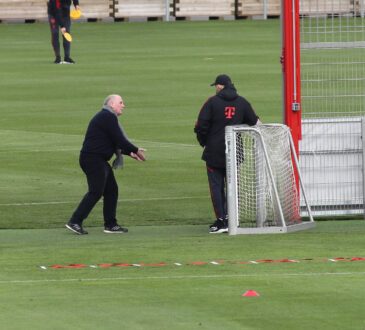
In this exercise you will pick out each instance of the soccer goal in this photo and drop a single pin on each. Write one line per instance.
(263, 180)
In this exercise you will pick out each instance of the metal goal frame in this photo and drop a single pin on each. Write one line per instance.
(232, 184)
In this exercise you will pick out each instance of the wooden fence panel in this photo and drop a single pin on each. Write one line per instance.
(96, 9)
(248, 8)
(139, 8)
(23, 10)
(216, 8)
(100, 9)
(37, 9)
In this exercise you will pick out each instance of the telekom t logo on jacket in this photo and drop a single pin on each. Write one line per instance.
(229, 112)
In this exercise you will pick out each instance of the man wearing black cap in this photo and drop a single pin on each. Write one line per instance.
(224, 109)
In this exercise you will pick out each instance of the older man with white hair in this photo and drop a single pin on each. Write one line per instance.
(104, 137)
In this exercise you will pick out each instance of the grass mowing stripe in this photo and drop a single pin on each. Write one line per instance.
(77, 149)
(53, 150)
(119, 200)
(181, 277)
(168, 144)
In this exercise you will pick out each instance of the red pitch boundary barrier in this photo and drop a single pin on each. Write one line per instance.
(199, 263)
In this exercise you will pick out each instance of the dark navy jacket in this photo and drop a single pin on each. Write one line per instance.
(104, 136)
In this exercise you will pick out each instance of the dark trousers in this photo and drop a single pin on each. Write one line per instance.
(102, 183)
(217, 185)
(55, 36)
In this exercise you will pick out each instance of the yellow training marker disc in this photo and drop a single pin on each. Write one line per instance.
(75, 13)
(67, 36)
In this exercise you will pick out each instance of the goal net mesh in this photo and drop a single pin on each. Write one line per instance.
(266, 184)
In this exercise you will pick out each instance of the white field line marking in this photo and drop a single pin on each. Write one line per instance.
(120, 200)
(182, 277)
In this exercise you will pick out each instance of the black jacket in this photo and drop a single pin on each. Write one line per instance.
(104, 136)
(225, 108)
(60, 9)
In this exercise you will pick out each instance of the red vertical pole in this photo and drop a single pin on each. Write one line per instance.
(291, 76)
(291, 68)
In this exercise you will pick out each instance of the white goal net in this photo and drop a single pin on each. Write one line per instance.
(262, 184)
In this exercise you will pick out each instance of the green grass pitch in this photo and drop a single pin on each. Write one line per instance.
(176, 276)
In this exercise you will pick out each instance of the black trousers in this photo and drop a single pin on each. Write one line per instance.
(101, 183)
(55, 36)
(217, 185)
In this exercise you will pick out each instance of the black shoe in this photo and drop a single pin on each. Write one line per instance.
(68, 60)
(219, 221)
(57, 60)
(218, 227)
(76, 228)
(115, 230)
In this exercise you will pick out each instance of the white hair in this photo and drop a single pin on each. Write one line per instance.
(110, 98)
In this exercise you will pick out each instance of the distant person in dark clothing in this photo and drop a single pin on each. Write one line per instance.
(59, 19)
(104, 137)
(223, 109)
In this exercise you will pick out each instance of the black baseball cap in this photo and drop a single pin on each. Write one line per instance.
(222, 79)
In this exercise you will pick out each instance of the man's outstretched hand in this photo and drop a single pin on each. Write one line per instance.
(139, 155)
